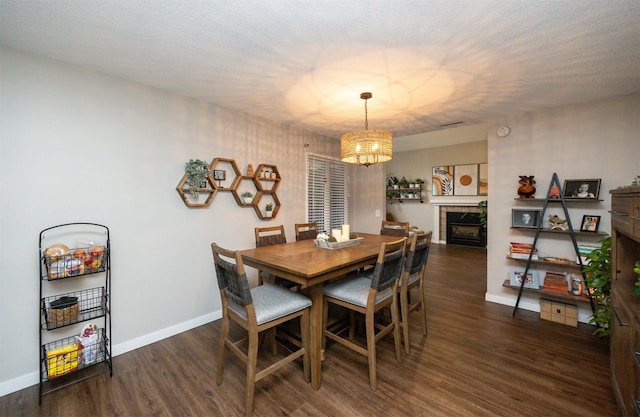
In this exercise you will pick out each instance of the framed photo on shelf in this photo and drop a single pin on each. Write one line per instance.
(525, 218)
(516, 275)
(590, 223)
(581, 189)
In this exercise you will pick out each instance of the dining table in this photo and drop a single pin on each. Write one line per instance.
(311, 266)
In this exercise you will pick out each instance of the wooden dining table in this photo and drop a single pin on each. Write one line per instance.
(305, 264)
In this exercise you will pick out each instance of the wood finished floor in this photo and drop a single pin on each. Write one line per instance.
(477, 360)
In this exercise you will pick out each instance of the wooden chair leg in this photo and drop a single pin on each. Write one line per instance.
(272, 339)
(352, 324)
(325, 320)
(404, 322)
(305, 335)
(396, 327)
(252, 360)
(371, 349)
(423, 310)
(224, 334)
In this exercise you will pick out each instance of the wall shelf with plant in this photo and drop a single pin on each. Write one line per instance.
(197, 180)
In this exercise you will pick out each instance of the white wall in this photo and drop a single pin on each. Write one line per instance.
(77, 145)
(590, 140)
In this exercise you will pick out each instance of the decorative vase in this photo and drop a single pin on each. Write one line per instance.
(526, 190)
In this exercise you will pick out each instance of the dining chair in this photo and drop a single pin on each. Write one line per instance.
(306, 231)
(267, 236)
(394, 228)
(367, 293)
(256, 310)
(413, 277)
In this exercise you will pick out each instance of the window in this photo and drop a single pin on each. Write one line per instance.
(327, 192)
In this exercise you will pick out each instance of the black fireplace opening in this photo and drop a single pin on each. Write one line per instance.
(465, 229)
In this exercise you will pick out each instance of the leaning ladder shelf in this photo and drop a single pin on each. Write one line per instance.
(571, 232)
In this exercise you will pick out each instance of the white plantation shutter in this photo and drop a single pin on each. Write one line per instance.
(327, 192)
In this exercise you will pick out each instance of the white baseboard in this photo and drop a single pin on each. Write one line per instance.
(32, 378)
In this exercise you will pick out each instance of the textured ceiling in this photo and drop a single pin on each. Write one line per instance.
(305, 63)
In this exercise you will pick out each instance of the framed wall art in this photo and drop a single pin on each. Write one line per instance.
(466, 179)
(483, 179)
(581, 189)
(442, 180)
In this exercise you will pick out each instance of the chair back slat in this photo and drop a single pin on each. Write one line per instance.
(389, 265)
(306, 231)
(400, 229)
(267, 236)
(231, 277)
(418, 253)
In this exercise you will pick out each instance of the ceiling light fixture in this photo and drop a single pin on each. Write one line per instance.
(366, 147)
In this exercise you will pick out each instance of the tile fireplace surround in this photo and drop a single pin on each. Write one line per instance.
(451, 204)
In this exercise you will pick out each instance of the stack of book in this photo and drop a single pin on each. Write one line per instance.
(519, 250)
(583, 251)
(557, 283)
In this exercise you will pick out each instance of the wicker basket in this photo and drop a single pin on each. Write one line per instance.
(63, 311)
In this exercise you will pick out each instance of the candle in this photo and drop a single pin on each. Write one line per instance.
(345, 231)
(337, 233)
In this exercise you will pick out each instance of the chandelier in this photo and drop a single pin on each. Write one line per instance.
(366, 147)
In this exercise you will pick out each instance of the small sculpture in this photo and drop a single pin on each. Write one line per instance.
(526, 190)
(557, 223)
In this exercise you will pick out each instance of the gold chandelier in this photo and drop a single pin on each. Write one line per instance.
(366, 147)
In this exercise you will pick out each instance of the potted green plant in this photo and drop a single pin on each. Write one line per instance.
(268, 209)
(483, 213)
(247, 197)
(598, 282)
(419, 182)
(404, 183)
(197, 173)
(392, 181)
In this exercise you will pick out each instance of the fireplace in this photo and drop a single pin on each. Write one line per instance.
(464, 228)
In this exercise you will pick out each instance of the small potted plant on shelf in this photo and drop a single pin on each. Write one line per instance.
(392, 181)
(404, 183)
(419, 182)
(197, 173)
(247, 197)
(268, 210)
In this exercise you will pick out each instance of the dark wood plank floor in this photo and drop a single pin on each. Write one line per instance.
(477, 360)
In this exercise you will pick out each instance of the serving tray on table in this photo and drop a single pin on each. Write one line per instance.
(325, 244)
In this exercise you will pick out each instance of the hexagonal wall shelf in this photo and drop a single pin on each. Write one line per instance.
(207, 193)
(267, 177)
(216, 166)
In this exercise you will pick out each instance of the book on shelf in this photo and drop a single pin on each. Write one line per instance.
(519, 250)
(524, 256)
(556, 283)
(583, 251)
